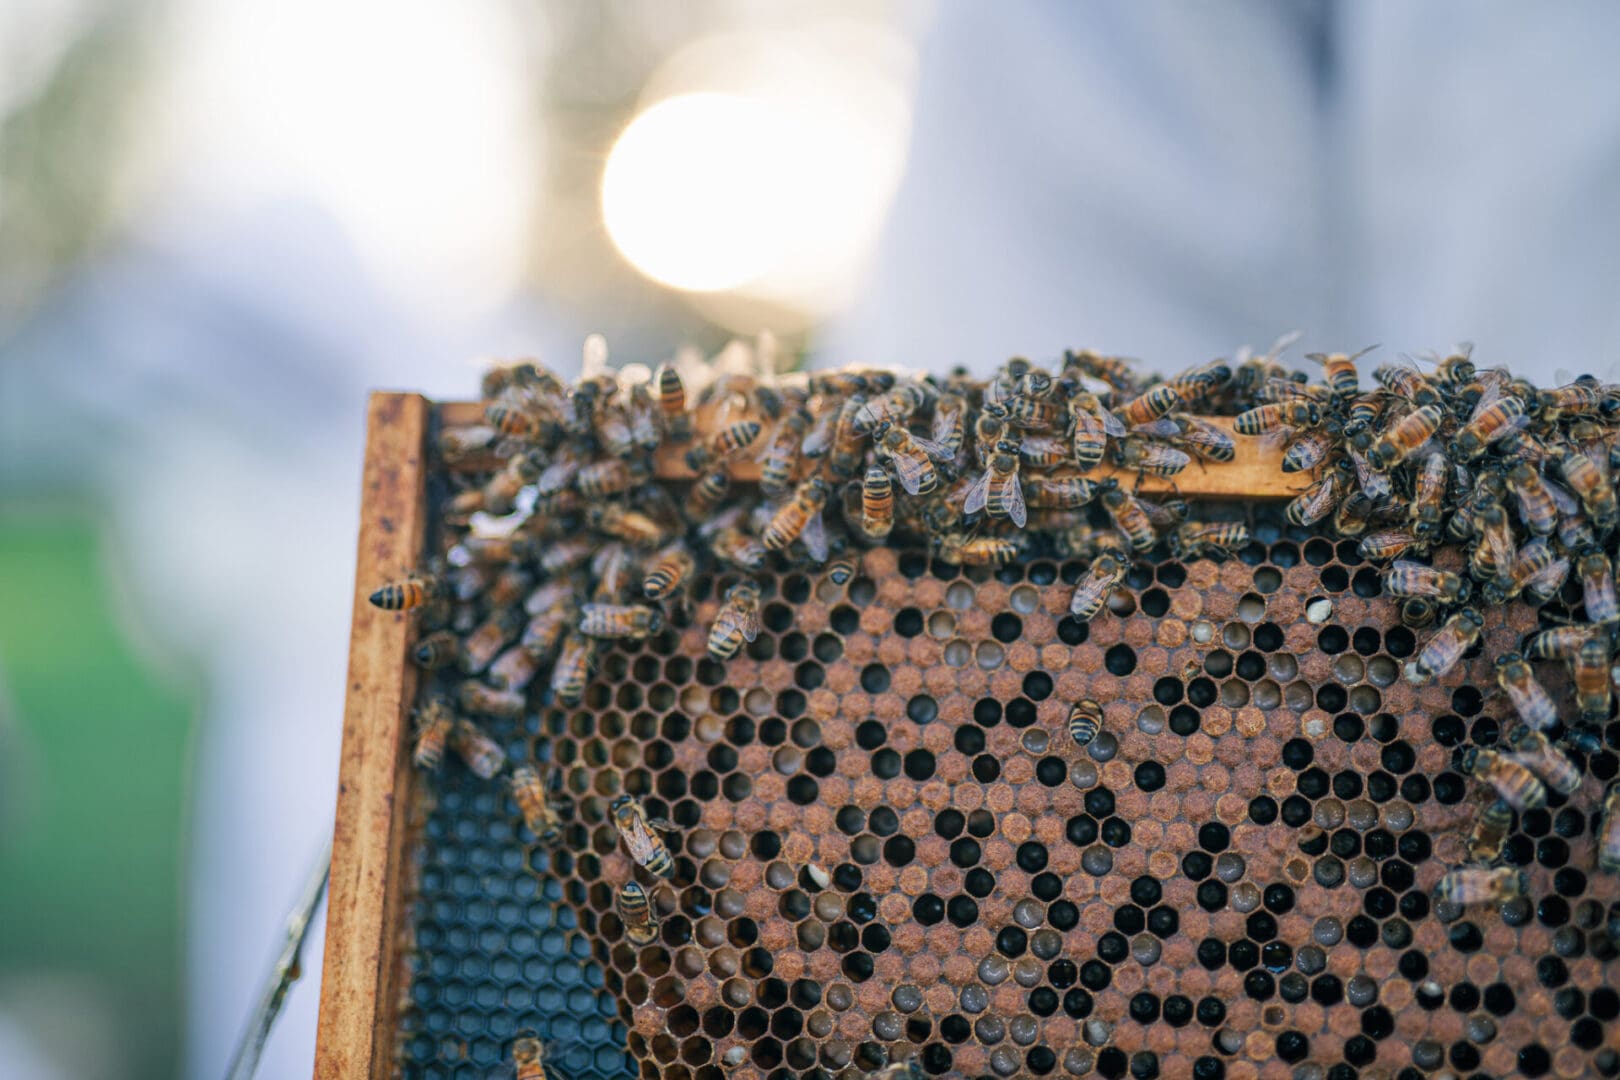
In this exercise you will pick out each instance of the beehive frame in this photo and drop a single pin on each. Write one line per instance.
(367, 933)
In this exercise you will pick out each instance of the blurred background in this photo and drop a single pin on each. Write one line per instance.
(221, 222)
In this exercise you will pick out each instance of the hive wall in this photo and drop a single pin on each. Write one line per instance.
(1260, 825)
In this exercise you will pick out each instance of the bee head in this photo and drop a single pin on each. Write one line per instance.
(1469, 759)
(620, 804)
(1509, 660)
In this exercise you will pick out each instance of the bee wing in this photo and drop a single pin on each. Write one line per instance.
(1015, 500)
(750, 622)
(1112, 425)
(908, 470)
(1162, 428)
(1408, 564)
(937, 451)
(978, 494)
(1561, 497)
(815, 538)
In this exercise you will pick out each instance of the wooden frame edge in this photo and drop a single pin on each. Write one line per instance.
(354, 1035)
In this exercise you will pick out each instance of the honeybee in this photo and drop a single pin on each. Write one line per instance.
(434, 722)
(800, 518)
(437, 650)
(1152, 458)
(515, 668)
(1353, 515)
(1113, 370)
(819, 439)
(494, 634)
(1556, 643)
(614, 433)
(989, 429)
(1480, 885)
(1386, 544)
(412, 592)
(1536, 562)
(668, 573)
(1093, 425)
(707, 494)
(610, 477)
(530, 795)
(1165, 513)
(514, 421)
(1490, 422)
(1196, 539)
(847, 439)
(877, 503)
(960, 550)
(1317, 501)
(1457, 368)
(1597, 585)
(475, 697)
(1044, 451)
(1404, 438)
(781, 454)
(998, 492)
(1419, 612)
(732, 545)
(1407, 578)
(1129, 518)
(1085, 720)
(1359, 417)
(1309, 450)
(850, 381)
(1608, 859)
(1149, 406)
(911, 457)
(1428, 496)
(631, 526)
(1095, 586)
(1204, 439)
(1591, 484)
(482, 755)
(1493, 555)
(1533, 749)
(738, 621)
(1059, 491)
(529, 1059)
(1490, 831)
(1339, 371)
(1536, 506)
(1593, 689)
(950, 420)
(1198, 385)
(635, 911)
(644, 844)
(722, 444)
(1442, 652)
(573, 668)
(1265, 419)
(1529, 697)
(1579, 398)
(1034, 413)
(1406, 383)
(632, 621)
(1513, 783)
(564, 555)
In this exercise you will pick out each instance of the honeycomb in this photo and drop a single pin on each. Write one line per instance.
(1233, 879)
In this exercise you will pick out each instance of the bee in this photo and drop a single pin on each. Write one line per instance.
(877, 503)
(530, 795)
(1386, 544)
(1536, 562)
(1428, 496)
(434, 722)
(850, 382)
(528, 1059)
(1129, 518)
(515, 668)
(1095, 586)
(1419, 612)
(1442, 652)
(1085, 720)
(1493, 554)
(1592, 486)
(781, 454)
(547, 627)
(609, 477)
(998, 492)
(847, 439)
(620, 621)
(514, 421)
(959, 550)
(437, 650)
(1196, 539)
(1198, 384)
(1405, 382)
(412, 592)
(1149, 406)
(481, 754)
(1513, 783)
(645, 418)
(459, 443)
(707, 494)
(839, 571)
(1164, 514)
(1359, 417)
(1339, 371)
(1533, 749)
(1480, 885)
(494, 634)
(1113, 370)
(800, 517)
(722, 444)
(1407, 578)
(1608, 859)
(1489, 423)
(613, 430)
(1597, 584)
(1044, 451)
(1405, 438)
(564, 555)
(635, 910)
(1309, 450)
(1060, 491)
(732, 545)
(1556, 643)
(1529, 697)
(1536, 506)
(949, 427)
(1457, 368)
(573, 668)
(1579, 398)
(1591, 678)
(1353, 515)
(738, 621)
(641, 840)
(819, 439)
(1204, 439)
(1151, 458)
(1317, 501)
(668, 574)
(475, 697)
(1265, 419)
(631, 526)
(1490, 831)
(989, 429)
(911, 457)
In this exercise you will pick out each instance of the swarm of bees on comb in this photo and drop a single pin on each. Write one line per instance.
(1469, 485)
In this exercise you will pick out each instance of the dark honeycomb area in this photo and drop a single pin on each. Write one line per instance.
(888, 847)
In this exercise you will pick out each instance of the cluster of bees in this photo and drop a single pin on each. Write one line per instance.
(564, 536)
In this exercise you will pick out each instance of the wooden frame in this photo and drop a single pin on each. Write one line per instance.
(361, 978)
